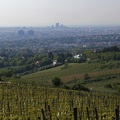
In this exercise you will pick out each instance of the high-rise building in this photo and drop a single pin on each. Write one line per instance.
(21, 32)
(57, 25)
(30, 32)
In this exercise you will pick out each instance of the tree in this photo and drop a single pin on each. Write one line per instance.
(50, 55)
(66, 64)
(56, 81)
(111, 49)
(60, 57)
(7, 73)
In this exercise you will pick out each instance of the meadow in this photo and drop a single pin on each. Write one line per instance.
(73, 74)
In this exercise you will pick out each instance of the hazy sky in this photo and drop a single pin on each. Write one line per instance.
(68, 12)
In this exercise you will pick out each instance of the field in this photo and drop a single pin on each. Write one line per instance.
(26, 99)
(74, 74)
(27, 102)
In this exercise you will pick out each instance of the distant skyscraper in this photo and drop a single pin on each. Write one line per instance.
(30, 32)
(57, 25)
(21, 32)
(52, 26)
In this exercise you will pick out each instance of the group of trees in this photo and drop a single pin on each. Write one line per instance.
(104, 55)
(27, 61)
(20, 61)
(111, 49)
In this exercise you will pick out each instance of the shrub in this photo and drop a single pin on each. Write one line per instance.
(56, 81)
(80, 87)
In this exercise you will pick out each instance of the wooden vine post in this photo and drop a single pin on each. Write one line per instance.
(43, 115)
(117, 113)
(96, 113)
(75, 113)
(88, 116)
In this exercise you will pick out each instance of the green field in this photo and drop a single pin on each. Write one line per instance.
(30, 101)
(74, 73)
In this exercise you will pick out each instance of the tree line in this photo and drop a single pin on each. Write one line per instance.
(27, 61)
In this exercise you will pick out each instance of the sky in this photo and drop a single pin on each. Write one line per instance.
(67, 12)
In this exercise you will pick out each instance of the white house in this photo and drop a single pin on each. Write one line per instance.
(55, 62)
(77, 56)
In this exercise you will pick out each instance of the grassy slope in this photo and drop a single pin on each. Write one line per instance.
(99, 86)
(74, 71)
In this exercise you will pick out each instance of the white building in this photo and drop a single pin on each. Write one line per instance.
(77, 56)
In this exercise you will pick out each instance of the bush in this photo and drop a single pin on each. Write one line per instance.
(56, 81)
(80, 87)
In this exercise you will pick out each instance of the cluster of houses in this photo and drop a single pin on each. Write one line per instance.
(56, 62)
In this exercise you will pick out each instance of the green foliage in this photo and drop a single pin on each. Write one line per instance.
(7, 73)
(56, 81)
(14, 63)
(98, 78)
(106, 77)
(60, 57)
(27, 100)
(111, 49)
(50, 55)
(72, 70)
(80, 87)
(23, 61)
(109, 65)
(115, 86)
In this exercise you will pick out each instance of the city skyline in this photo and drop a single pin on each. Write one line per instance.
(68, 12)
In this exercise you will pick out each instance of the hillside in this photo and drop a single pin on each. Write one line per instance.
(75, 73)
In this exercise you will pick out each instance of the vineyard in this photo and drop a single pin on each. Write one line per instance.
(32, 102)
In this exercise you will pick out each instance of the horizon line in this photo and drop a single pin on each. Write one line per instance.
(70, 25)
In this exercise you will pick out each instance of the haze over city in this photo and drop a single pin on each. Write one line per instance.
(69, 12)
